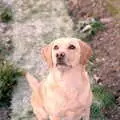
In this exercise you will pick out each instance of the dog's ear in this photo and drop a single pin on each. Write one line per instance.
(85, 52)
(47, 54)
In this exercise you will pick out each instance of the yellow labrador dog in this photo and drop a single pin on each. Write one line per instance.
(66, 93)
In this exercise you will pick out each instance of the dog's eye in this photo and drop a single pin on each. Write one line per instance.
(72, 47)
(56, 47)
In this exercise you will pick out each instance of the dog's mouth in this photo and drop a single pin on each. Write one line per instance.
(61, 63)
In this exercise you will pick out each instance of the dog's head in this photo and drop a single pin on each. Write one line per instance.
(66, 53)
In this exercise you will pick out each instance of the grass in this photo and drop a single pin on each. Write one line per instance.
(103, 99)
(104, 96)
(96, 112)
(8, 79)
(96, 26)
(7, 15)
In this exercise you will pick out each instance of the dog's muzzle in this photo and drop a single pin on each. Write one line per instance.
(60, 58)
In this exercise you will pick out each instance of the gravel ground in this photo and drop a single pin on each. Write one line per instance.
(35, 24)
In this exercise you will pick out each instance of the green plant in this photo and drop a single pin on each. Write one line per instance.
(91, 67)
(104, 96)
(8, 79)
(90, 29)
(6, 15)
(96, 26)
(5, 48)
(103, 99)
(96, 112)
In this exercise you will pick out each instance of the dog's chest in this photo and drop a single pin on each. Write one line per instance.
(64, 97)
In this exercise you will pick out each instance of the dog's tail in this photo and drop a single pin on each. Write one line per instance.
(33, 82)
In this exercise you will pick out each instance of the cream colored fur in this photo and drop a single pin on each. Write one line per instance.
(66, 92)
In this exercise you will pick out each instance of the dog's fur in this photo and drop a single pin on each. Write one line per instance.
(66, 93)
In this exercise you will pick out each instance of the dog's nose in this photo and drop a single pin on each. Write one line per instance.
(60, 55)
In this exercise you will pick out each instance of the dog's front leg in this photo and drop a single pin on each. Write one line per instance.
(38, 109)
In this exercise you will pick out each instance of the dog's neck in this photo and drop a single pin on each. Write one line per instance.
(61, 74)
(75, 78)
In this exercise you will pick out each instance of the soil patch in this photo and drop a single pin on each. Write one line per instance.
(106, 44)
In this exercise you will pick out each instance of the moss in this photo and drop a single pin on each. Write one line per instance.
(8, 79)
(6, 16)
